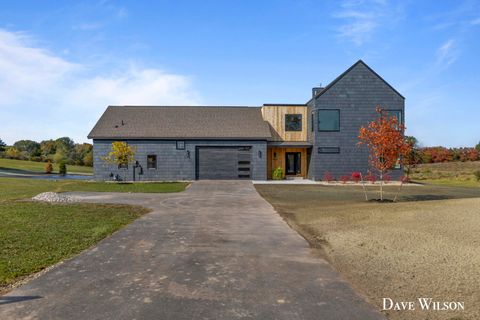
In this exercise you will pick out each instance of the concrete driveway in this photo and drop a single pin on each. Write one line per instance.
(215, 251)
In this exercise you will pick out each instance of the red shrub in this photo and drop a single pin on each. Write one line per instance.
(344, 179)
(370, 177)
(356, 176)
(404, 179)
(328, 177)
(387, 178)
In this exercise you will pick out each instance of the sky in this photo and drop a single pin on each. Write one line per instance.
(62, 63)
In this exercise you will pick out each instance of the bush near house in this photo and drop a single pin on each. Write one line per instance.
(328, 177)
(277, 173)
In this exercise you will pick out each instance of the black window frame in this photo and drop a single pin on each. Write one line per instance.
(319, 111)
(312, 118)
(401, 120)
(328, 150)
(180, 144)
(148, 162)
(297, 115)
(122, 166)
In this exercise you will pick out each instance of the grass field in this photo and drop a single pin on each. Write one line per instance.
(448, 173)
(39, 167)
(403, 250)
(36, 235)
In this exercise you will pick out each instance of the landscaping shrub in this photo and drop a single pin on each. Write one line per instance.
(477, 175)
(370, 177)
(328, 177)
(62, 168)
(48, 167)
(345, 179)
(277, 173)
(356, 176)
(387, 178)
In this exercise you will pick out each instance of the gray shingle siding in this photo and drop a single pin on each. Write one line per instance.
(356, 95)
(172, 164)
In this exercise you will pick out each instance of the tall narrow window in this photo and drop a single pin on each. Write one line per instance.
(312, 120)
(293, 122)
(151, 161)
(328, 120)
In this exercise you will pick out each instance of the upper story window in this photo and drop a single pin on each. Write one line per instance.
(151, 161)
(180, 145)
(328, 120)
(396, 113)
(312, 121)
(293, 122)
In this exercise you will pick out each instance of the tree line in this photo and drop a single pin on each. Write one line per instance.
(437, 154)
(62, 150)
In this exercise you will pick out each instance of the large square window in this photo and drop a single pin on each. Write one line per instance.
(293, 122)
(151, 161)
(395, 113)
(329, 120)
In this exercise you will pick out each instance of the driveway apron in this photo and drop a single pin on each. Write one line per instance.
(216, 251)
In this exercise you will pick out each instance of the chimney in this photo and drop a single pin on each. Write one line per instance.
(316, 90)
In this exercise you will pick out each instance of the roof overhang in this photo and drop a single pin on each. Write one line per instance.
(289, 144)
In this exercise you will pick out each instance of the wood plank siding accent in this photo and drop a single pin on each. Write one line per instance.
(275, 116)
(279, 160)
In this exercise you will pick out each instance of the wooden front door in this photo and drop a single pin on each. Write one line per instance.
(293, 163)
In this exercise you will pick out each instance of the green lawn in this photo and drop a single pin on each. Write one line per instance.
(36, 235)
(36, 167)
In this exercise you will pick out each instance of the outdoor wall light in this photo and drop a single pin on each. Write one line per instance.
(260, 154)
(188, 154)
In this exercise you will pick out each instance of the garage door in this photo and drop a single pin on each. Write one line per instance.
(224, 163)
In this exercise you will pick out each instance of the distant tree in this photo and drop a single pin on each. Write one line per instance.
(413, 157)
(79, 152)
(2, 145)
(121, 154)
(386, 143)
(88, 159)
(48, 148)
(12, 153)
(28, 147)
(48, 167)
(478, 147)
(65, 146)
(62, 168)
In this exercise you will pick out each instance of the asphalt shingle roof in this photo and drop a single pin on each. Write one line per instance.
(181, 122)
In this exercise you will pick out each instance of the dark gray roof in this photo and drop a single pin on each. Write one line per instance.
(331, 84)
(181, 122)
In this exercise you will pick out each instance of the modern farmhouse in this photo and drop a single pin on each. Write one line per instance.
(218, 142)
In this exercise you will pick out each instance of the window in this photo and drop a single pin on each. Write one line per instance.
(151, 161)
(396, 113)
(123, 166)
(328, 150)
(313, 122)
(329, 120)
(180, 145)
(293, 122)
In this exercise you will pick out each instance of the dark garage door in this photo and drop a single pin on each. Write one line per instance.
(224, 162)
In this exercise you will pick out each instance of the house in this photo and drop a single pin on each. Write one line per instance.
(218, 142)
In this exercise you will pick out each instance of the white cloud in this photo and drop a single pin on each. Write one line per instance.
(447, 53)
(45, 96)
(362, 18)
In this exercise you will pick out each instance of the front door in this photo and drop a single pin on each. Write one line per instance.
(292, 163)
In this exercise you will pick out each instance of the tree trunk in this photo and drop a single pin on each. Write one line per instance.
(381, 185)
(398, 191)
(364, 189)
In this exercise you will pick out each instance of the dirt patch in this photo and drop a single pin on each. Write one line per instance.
(403, 251)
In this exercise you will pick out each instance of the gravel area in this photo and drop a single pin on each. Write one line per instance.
(403, 251)
(53, 197)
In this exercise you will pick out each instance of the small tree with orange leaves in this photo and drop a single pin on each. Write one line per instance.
(386, 143)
